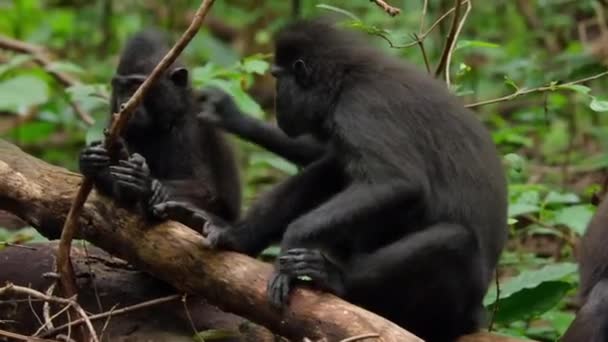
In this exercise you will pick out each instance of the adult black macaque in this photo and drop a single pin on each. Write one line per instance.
(219, 109)
(406, 212)
(591, 322)
(165, 153)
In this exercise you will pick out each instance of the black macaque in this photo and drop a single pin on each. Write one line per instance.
(165, 152)
(591, 322)
(219, 109)
(405, 213)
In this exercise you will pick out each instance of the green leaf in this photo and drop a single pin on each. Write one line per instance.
(21, 236)
(272, 251)
(475, 43)
(598, 105)
(240, 96)
(230, 80)
(95, 132)
(517, 209)
(557, 139)
(22, 92)
(14, 62)
(526, 203)
(581, 89)
(557, 198)
(338, 10)
(515, 162)
(32, 132)
(65, 67)
(89, 94)
(202, 75)
(531, 302)
(576, 217)
(254, 65)
(369, 29)
(530, 279)
(526, 193)
(510, 82)
(559, 320)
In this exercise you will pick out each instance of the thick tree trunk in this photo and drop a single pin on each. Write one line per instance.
(41, 194)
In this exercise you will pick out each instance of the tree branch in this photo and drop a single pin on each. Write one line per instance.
(523, 91)
(40, 194)
(449, 41)
(10, 288)
(453, 45)
(392, 11)
(112, 312)
(420, 36)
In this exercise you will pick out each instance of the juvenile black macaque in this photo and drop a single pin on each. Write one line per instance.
(165, 153)
(591, 322)
(405, 214)
(219, 109)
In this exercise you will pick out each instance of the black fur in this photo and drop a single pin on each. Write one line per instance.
(219, 109)
(591, 323)
(406, 212)
(167, 154)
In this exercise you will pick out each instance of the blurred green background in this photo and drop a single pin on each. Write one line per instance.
(553, 141)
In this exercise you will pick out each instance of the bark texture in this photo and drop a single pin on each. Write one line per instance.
(41, 194)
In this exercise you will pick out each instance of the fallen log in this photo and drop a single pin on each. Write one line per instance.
(41, 194)
(130, 304)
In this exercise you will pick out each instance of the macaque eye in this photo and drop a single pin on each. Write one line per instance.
(299, 67)
(301, 71)
(133, 85)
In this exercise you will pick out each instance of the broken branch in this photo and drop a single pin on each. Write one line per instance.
(11, 288)
(392, 11)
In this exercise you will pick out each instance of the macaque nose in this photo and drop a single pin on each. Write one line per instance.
(276, 70)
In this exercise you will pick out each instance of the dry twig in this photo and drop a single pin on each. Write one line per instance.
(520, 92)
(113, 312)
(20, 337)
(449, 41)
(11, 288)
(427, 64)
(48, 324)
(425, 7)
(458, 30)
(392, 11)
(107, 322)
(421, 36)
(70, 228)
(41, 58)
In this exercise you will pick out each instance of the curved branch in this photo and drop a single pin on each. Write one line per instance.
(391, 10)
(523, 91)
(449, 41)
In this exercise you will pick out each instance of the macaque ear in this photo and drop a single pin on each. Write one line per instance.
(179, 76)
